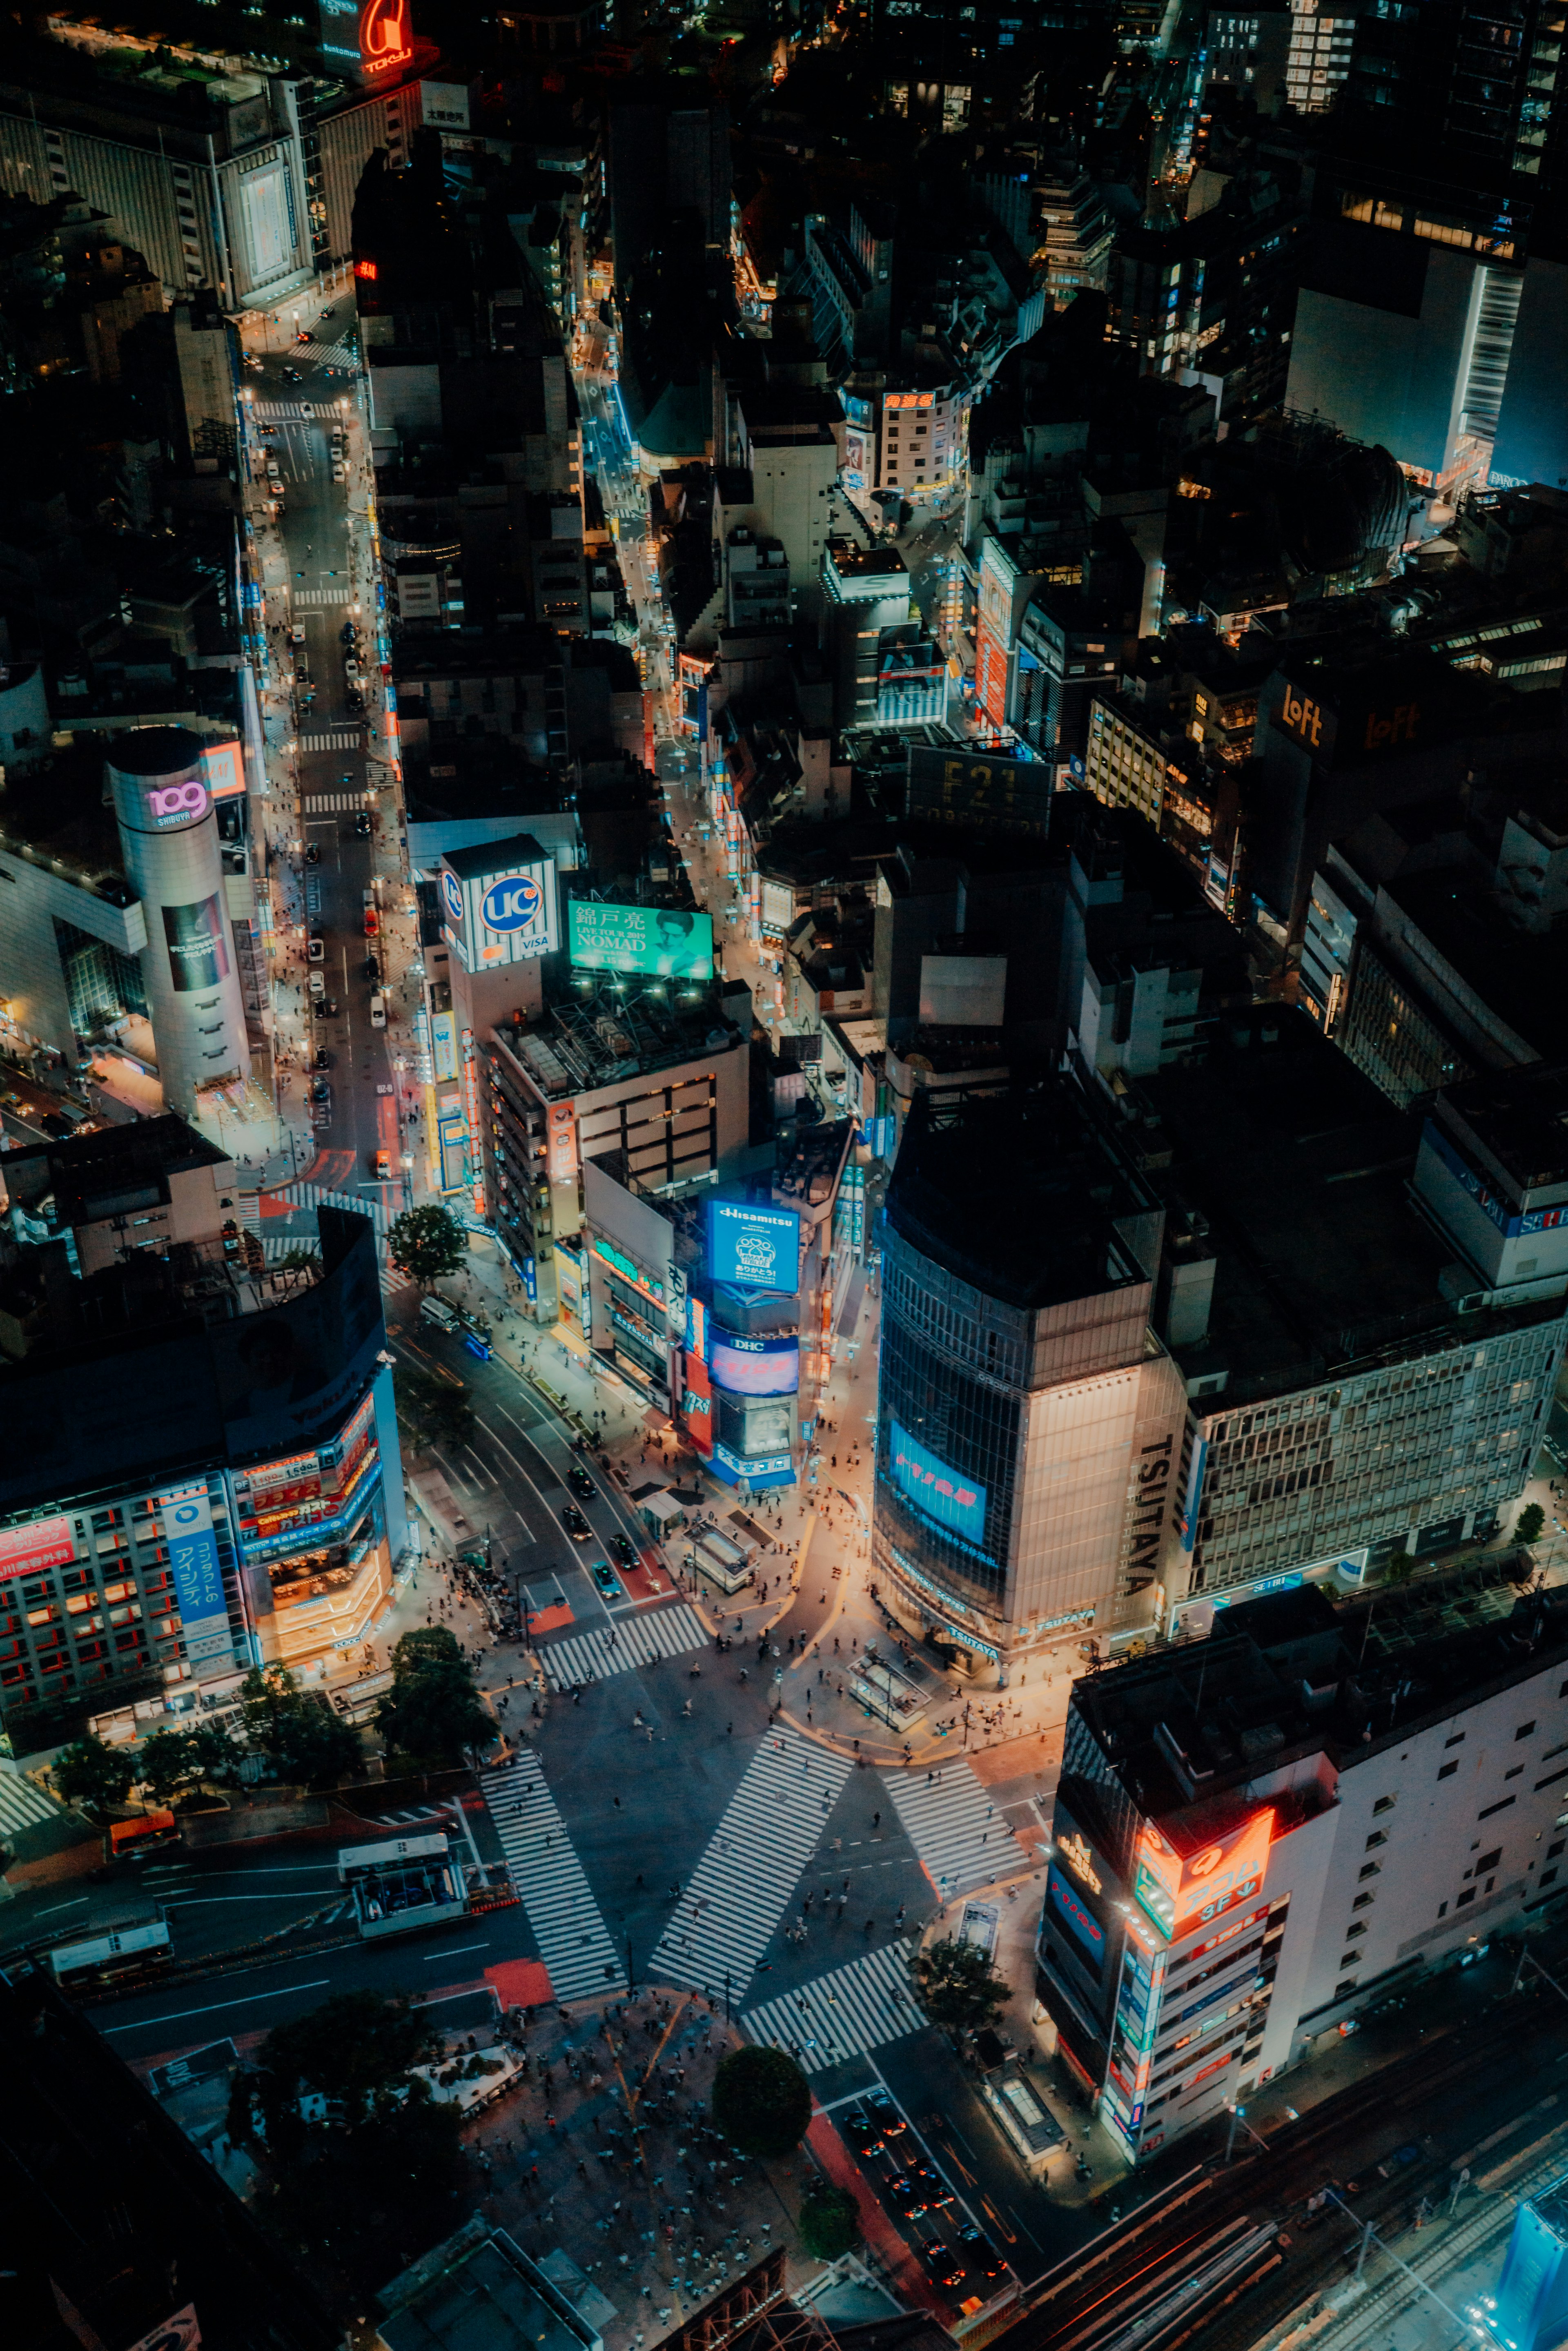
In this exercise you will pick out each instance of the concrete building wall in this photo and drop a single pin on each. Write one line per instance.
(32, 898)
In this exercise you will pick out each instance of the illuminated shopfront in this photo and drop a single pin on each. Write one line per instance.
(313, 1538)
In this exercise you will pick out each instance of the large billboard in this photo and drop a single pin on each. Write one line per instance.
(1088, 1934)
(663, 942)
(198, 953)
(976, 790)
(187, 1515)
(29, 1550)
(752, 1246)
(755, 1367)
(1182, 1891)
(936, 1486)
(509, 913)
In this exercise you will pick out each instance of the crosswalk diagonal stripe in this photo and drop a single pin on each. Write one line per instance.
(851, 2009)
(731, 1910)
(630, 1641)
(578, 1952)
(961, 1838)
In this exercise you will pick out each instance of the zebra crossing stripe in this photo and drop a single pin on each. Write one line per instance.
(843, 2013)
(21, 1804)
(961, 1839)
(575, 1946)
(340, 742)
(250, 1212)
(316, 597)
(315, 1196)
(630, 1641)
(730, 1911)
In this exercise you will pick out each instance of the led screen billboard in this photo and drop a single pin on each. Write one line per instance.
(751, 1246)
(1180, 1891)
(936, 1486)
(663, 942)
(1088, 1934)
(754, 1367)
(505, 913)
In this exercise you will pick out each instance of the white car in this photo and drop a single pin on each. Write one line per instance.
(337, 473)
(317, 985)
(378, 1010)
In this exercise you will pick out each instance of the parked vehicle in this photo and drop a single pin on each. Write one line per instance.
(378, 1010)
(436, 1310)
(316, 948)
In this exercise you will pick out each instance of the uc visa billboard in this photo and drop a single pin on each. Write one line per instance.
(1180, 1891)
(500, 909)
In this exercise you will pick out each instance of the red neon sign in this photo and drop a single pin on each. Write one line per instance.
(365, 268)
(386, 38)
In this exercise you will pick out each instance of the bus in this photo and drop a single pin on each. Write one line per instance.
(403, 1884)
(125, 1952)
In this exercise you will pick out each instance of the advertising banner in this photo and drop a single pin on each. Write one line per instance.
(1181, 1893)
(935, 1488)
(198, 953)
(1088, 1934)
(751, 1247)
(663, 942)
(28, 1551)
(444, 1047)
(755, 1367)
(187, 1516)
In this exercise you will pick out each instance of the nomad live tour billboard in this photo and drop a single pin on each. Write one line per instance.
(663, 942)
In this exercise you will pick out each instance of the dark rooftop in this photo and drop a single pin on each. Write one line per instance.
(1521, 1118)
(1017, 1193)
(117, 1167)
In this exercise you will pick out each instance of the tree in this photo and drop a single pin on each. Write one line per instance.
(958, 1987)
(174, 1761)
(761, 2101)
(830, 2222)
(1398, 1568)
(432, 1713)
(297, 1732)
(433, 1411)
(373, 2172)
(1531, 1519)
(426, 1243)
(88, 1773)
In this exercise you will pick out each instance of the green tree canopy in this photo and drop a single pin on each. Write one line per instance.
(89, 1773)
(432, 1713)
(1531, 1519)
(174, 1761)
(761, 2101)
(297, 1731)
(830, 2222)
(381, 2171)
(958, 1987)
(433, 1410)
(426, 1243)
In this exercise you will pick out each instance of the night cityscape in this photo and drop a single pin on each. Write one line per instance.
(784, 1177)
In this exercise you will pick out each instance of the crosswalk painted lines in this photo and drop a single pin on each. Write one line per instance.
(577, 1951)
(22, 1804)
(274, 1250)
(961, 1839)
(294, 412)
(315, 598)
(616, 1649)
(739, 1889)
(302, 1194)
(340, 741)
(843, 2013)
(250, 1212)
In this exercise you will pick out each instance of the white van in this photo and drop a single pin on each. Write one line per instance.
(436, 1310)
(378, 1010)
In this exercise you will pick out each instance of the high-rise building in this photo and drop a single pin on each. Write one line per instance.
(1258, 1834)
(202, 1470)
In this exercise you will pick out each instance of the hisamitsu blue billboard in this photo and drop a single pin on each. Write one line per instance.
(1086, 1927)
(936, 1486)
(751, 1247)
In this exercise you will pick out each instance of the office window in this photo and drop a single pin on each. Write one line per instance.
(1371, 1869)
(1342, 1990)
(1467, 1896)
(1378, 1836)
(1524, 1730)
(1384, 1804)
(1447, 1770)
(1456, 1741)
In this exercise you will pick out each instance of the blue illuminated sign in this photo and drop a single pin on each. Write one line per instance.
(751, 1246)
(453, 894)
(938, 1490)
(1084, 1928)
(198, 1576)
(758, 1367)
(513, 903)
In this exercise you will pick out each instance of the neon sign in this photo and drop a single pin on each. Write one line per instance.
(1075, 1853)
(386, 38)
(1179, 1895)
(177, 803)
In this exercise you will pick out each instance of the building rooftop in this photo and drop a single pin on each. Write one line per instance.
(1295, 1675)
(480, 2292)
(1519, 1117)
(112, 1170)
(1521, 976)
(1017, 1193)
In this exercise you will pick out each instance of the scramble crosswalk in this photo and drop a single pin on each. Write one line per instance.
(574, 1942)
(616, 1649)
(844, 2014)
(731, 1910)
(959, 1836)
(303, 1195)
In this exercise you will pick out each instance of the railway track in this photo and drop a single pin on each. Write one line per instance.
(1187, 2265)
